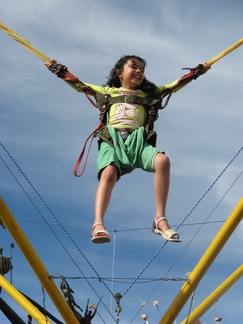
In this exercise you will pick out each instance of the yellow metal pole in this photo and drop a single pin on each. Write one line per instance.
(211, 299)
(23, 302)
(225, 52)
(204, 264)
(36, 264)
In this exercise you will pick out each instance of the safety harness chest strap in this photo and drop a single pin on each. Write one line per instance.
(103, 101)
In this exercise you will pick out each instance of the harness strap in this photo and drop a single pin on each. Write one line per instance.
(91, 136)
(89, 91)
(103, 102)
(103, 106)
(107, 100)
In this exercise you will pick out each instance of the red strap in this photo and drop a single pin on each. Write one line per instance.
(167, 99)
(83, 151)
(92, 92)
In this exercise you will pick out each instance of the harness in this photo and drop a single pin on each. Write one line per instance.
(151, 104)
(104, 101)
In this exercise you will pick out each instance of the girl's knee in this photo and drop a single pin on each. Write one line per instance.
(109, 174)
(161, 161)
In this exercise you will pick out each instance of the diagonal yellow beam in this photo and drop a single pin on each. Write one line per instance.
(212, 299)
(23, 302)
(36, 264)
(204, 263)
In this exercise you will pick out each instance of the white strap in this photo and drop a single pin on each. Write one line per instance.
(97, 225)
(160, 219)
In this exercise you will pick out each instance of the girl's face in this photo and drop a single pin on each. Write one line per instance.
(132, 74)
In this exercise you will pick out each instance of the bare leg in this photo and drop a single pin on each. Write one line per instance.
(161, 187)
(107, 182)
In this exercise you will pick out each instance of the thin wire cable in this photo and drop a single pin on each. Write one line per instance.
(121, 280)
(110, 230)
(206, 192)
(199, 229)
(190, 307)
(139, 275)
(185, 218)
(57, 220)
(44, 302)
(174, 263)
(136, 315)
(59, 223)
(113, 271)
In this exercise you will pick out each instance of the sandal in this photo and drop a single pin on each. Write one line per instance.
(169, 235)
(101, 236)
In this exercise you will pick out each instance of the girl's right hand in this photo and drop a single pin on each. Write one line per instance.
(49, 64)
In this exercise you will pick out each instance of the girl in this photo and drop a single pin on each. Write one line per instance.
(131, 101)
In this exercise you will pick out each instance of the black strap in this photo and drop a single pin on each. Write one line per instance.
(152, 105)
(104, 101)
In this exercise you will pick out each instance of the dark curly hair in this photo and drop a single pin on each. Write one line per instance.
(114, 81)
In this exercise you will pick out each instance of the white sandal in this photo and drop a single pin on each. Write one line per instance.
(101, 236)
(169, 235)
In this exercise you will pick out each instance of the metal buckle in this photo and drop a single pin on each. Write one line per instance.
(124, 133)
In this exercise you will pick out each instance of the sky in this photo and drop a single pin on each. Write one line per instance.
(44, 124)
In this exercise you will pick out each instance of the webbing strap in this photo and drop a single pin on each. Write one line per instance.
(149, 101)
(91, 136)
(129, 99)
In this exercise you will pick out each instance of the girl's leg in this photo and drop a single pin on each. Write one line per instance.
(161, 188)
(103, 194)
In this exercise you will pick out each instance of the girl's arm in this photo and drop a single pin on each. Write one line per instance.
(62, 72)
(183, 81)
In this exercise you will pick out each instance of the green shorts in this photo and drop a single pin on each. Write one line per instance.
(128, 155)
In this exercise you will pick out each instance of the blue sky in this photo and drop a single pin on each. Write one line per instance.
(44, 124)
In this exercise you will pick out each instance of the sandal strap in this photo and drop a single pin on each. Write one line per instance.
(157, 222)
(96, 224)
(170, 233)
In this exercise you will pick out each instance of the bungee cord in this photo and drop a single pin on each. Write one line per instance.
(23, 42)
(31, 48)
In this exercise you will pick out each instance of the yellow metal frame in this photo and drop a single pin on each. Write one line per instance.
(23, 302)
(212, 299)
(197, 273)
(203, 265)
(36, 264)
